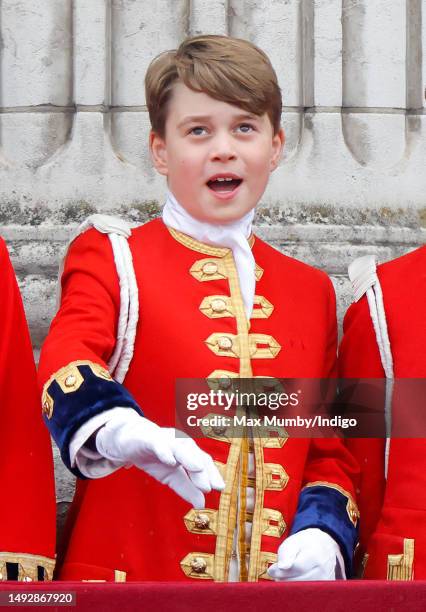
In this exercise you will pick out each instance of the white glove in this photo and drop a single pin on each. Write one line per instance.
(176, 462)
(310, 554)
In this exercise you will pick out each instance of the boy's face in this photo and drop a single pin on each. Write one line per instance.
(217, 157)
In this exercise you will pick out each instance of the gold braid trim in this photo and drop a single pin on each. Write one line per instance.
(400, 567)
(97, 370)
(70, 379)
(200, 247)
(27, 566)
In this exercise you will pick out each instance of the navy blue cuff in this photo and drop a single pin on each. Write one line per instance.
(75, 394)
(326, 508)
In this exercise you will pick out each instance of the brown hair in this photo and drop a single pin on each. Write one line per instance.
(232, 70)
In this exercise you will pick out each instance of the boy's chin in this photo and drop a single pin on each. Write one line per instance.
(224, 212)
(223, 215)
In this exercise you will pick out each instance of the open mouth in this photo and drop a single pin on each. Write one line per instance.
(224, 184)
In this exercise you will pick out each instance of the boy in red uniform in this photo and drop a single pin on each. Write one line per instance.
(195, 295)
(385, 336)
(27, 508)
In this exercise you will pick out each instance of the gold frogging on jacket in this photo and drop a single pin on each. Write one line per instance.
(69, 378)
(201, 521)
(243, 347)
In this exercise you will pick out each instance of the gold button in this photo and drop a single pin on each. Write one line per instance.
(224, 382)
(225, 343)
(218, 430)
(269, 383)
(210, 268)
(218, 305)
(70, 381)
(198, 565)
(201, 521)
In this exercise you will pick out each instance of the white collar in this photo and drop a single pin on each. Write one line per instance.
(233, 235)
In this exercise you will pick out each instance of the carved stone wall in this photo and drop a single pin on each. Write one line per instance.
(74, 125)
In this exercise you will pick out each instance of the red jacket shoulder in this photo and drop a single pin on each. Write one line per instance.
(295, 271)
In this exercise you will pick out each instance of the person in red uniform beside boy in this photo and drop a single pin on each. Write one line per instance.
(195, 295)
(27, 508)
(386, 337)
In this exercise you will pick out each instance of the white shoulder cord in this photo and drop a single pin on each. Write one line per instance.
(118, 232)
(364, 279)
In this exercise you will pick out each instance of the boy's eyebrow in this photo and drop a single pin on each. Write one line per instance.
(201, 118)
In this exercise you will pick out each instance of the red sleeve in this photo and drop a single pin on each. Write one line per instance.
(327, 499)
(359, 357)
(27, 509)
(329, 460)
(73, 363)
(85, 325)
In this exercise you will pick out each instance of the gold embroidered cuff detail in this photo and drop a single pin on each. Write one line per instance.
(70, 379)
(208, 270)
(198, 565)
(273, 523)
(400, 567)
(266, 559)
(353, 512)
(263, 346)
(217, 306)
(262, 308)
(47, 405)
(28, 566)
(201, 521)
(224, 345)
(351, 507)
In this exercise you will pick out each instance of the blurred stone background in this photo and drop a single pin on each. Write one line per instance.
(74, 127)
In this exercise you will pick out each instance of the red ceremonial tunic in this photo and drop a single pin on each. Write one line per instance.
(27, 508)
(393, 529)
(127, 525)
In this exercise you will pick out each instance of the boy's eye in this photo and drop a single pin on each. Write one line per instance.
(199, 130)
(245, 128)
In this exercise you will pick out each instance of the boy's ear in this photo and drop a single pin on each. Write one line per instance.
(277, 148)
(157, 147)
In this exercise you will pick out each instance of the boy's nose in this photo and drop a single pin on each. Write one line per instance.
(223, 149)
